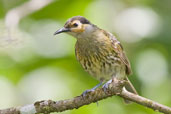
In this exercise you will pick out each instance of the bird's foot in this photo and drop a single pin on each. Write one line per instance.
(87, 91)
(106, 85)
(90, 90)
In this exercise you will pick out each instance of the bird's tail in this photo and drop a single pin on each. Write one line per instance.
(129, 87)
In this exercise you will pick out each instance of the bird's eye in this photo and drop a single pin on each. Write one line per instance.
(75, 24)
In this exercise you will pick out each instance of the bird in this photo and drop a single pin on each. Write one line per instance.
(99, 52)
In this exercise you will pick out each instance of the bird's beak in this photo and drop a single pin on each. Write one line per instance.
(62, 30)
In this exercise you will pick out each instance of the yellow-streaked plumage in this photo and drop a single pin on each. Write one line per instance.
(98, 51)
(99, 56)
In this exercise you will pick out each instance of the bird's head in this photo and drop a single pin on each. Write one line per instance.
(77, 26)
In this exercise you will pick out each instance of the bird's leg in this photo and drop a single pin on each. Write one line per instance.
(106, 85)
(89, 90)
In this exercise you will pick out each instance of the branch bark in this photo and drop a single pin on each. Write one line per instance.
(115, 88)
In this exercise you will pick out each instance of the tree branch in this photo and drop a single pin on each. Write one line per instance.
(115, 88)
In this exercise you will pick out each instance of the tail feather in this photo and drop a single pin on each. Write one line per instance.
(129, 87)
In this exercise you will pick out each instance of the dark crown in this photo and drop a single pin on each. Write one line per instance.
(82, 19)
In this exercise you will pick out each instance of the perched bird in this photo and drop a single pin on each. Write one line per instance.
(98, 51)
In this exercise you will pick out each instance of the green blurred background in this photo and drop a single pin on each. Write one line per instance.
(35, 65)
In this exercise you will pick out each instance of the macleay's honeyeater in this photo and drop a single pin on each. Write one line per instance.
(98, 51)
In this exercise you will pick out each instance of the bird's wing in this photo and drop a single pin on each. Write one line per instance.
(118, 48)
(120, 52)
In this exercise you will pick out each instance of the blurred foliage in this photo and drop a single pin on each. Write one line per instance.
(30, 52)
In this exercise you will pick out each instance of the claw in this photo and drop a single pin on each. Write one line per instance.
(90, 90)
(87, 91)
(106, 85)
